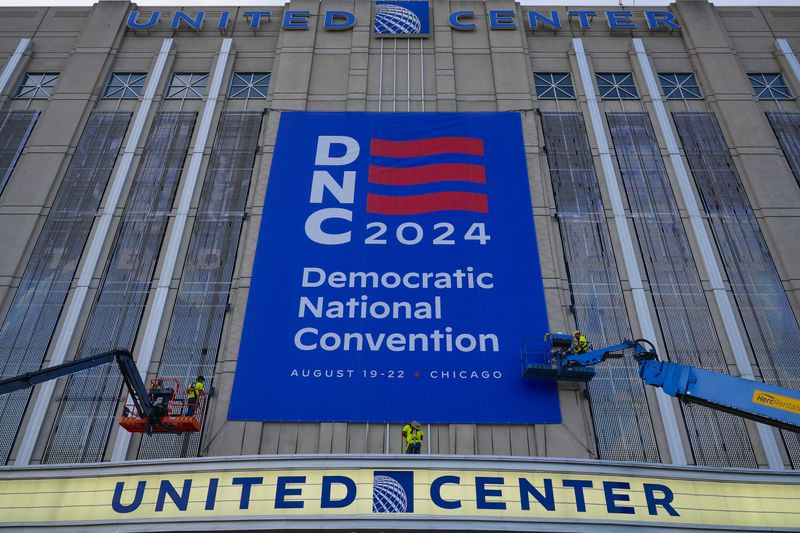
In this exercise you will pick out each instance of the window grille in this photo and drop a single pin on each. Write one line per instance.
(249, 85)
(622, 425)
(195, 329)
(15, 128)
(34, 312)
(680, 86)
(191, 86)
(554, 86)
(125, 85)
(37, 86)
(616, 86)
(786, 125)
(88, 408)
(682, 312)
(758, 290)
(769, 86)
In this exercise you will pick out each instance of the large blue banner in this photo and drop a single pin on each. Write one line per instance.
(396, 274)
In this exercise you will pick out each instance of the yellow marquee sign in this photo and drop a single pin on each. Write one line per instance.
(396, 493)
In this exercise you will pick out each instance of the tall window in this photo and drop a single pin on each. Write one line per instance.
(86, 409)
(37, 86)
(616, 86)
(680, 86)
(43, 288)
(125, 85)
(188, 86)
(682, 312)
(249, 85)
(622, 425)
(554, 85)
(786, 125)
(769, 86)
(758, 290)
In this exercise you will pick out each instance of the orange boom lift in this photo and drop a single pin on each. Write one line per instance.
(159, 409)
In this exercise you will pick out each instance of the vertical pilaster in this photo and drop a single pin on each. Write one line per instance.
(788, 54)
(704, 244)
(444, 80)
(610, 179)
(292, 73)
(358, 74)
(510, 63)
(13, 66)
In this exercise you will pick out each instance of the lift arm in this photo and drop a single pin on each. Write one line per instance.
(762, 402)
(130, 374)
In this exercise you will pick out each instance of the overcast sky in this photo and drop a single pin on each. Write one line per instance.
(571, 3)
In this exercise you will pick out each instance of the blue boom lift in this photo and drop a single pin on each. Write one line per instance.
(762, 402)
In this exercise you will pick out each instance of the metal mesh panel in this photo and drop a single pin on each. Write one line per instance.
(195, 330)
(766, 312)
(622, 424)
(87, 409)
(33, 314)
(15, 128)
(787, 128)
(687, 327)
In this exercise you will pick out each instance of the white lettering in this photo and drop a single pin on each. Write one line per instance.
(314, 229)
(313, 270)
(344, 193)
(324, 157)
(298, 339)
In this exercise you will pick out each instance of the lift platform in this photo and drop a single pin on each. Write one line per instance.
(158, 409)
(548, 360)
(171, 410)
(554, 360)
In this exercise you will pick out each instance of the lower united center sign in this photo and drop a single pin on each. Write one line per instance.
(396, 274)
(513, 496)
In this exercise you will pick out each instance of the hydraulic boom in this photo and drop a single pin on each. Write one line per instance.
(149, 416)
(762, 402)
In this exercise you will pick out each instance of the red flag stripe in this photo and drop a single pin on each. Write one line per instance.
(423, 147)
(427, 203)
(427, 174)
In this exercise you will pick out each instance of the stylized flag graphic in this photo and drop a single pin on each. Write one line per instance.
(448, 171)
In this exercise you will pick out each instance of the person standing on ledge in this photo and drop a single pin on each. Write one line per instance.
(413, 434)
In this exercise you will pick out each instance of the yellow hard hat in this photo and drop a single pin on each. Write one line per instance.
(576, 332)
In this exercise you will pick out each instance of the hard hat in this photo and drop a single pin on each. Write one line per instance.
(576, 332)
(200, 378)
(414, 424)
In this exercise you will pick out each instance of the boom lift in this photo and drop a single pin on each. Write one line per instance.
(762, 402)
(151, 411)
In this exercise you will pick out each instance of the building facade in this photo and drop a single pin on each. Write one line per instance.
(663, 159)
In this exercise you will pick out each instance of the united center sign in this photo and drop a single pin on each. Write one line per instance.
(407, 19)
(514, 494)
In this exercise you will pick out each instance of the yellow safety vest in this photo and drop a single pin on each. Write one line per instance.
(198, 386)
(582, 345)
(413, 436)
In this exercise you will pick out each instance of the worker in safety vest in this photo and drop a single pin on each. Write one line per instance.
(413, 434)
(579, 343)
(195, 391)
